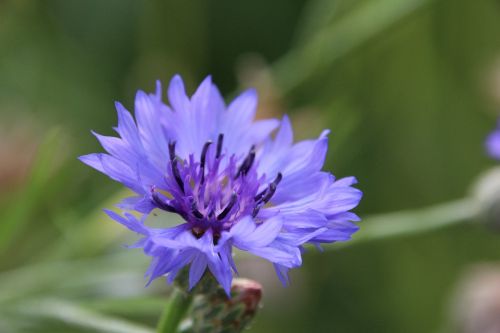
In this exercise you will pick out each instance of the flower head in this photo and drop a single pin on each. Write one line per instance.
(493, 143)
(232, 181)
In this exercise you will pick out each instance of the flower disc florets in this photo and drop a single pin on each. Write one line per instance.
(210, 194)
(232, 181)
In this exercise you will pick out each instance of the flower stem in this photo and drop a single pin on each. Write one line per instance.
(413, 222)
(174, 311)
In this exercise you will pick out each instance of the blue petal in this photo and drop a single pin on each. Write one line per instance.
(148, 114)
(308, 218)
(299, 185)
(284, 137)
(141, 204)
(196, 270)
(247, 234)
(341, 232)
(299, 236)
(286, 257)
(337, 197)
(117, 147)
(161, 265)
(261, 129)
(127, 128)
(236, 125)
(221, 272)
(241, 111)
(180, 261)
(306, 156)
(340, 201)
(129, 221)
(115, 169)
(282, 273)
(299, 164)
(177, 95)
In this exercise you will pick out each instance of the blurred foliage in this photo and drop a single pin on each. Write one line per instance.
(407, 88)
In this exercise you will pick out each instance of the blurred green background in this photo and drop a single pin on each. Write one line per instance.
(409, 88)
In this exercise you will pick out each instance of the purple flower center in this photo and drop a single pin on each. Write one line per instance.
(215, 191)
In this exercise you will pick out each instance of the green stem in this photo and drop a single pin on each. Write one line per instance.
(413, 222)
(79, 317)
(338, 38)
(177, 306)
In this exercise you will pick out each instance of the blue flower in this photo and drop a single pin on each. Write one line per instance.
(493, 143)
(234, 183)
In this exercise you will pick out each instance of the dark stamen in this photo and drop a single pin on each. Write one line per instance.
(173, 162)
(278, 178)
(247, 163)
(272, 188)
(161, 203)
(260, 195)
(256, 209)
(177, 175)
(266, 194)
(270, 193)
(220, 139)
(228, 208)
(203, 159)
(171, 150)
(263, 197)
(195, 211)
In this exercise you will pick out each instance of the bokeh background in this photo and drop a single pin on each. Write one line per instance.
(409, 88)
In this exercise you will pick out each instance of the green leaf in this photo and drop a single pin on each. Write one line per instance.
(74, 315)
(96, 276)
(339, 38)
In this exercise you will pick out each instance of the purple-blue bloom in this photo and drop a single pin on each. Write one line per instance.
(493, 143)
(236, 183)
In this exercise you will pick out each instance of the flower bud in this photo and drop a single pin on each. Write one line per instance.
(214, 312)
(487, 196)
(476, 305)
